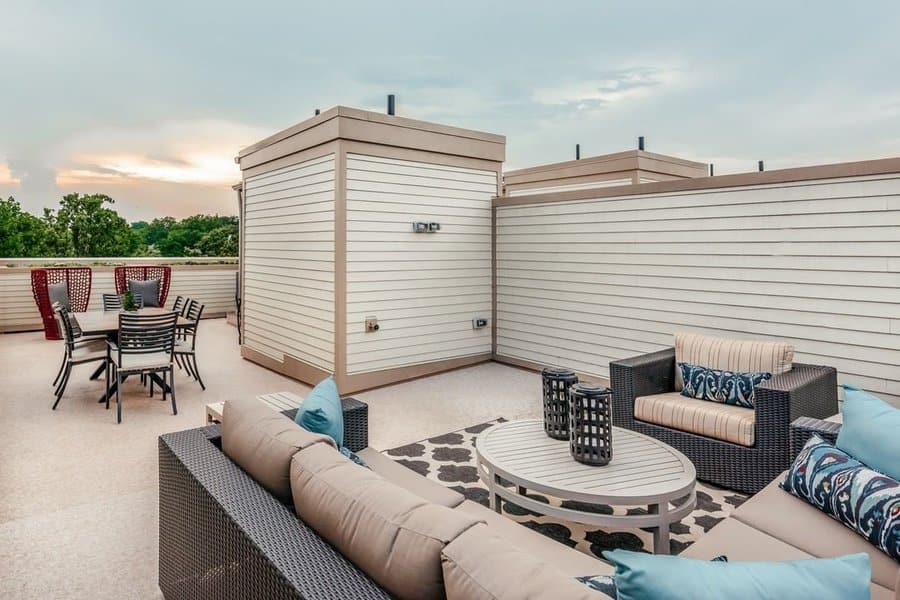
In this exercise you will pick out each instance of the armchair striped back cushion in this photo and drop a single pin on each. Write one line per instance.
(732, 355)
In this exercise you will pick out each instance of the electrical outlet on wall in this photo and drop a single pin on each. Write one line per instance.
(479, 323)
(372, 324)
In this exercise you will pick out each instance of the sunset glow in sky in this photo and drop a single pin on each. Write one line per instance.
(150, 102)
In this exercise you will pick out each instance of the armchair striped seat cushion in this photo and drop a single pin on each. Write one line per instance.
(739, 356)
(725, 422)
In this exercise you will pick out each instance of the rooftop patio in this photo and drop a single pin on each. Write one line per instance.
(78, 494)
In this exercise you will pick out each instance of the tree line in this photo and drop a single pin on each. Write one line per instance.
(86, 225)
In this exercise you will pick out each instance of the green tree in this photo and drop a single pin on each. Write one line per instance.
(23, 235)
(84, 226)
(221, 241)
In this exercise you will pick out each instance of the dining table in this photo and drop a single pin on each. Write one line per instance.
(106, 322)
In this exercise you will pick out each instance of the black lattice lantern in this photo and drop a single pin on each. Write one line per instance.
(556, 401)
(590, 425)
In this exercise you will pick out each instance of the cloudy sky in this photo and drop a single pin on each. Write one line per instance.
(150, 101)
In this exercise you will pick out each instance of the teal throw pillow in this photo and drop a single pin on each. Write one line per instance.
(321, 412)
(871, 431)
(641, 576)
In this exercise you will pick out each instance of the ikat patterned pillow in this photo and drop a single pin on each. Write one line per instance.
(866, 501)
(726, 387)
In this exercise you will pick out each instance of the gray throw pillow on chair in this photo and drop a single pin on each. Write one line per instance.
(59, 292)
(149, 290)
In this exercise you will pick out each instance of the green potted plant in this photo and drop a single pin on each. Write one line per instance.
(128, 302)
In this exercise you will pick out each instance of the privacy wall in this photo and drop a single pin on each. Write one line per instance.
(808, 255)
(211, 284)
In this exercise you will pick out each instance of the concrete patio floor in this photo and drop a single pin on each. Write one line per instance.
(78, 493)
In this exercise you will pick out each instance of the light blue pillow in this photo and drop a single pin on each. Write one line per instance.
(321, 412)
(870, 431)
(641, 576)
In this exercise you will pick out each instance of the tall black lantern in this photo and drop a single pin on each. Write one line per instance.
(590, 424)
(556, 401)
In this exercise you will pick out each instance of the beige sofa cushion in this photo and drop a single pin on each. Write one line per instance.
(739, 541)
(479, 565)
(733, 355)
(393, 535)
(410, 480)
(726, 422)
(263, 441)
(568, 560)
(795, 522)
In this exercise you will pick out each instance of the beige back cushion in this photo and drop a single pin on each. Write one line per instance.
(393, 535)
(479, 565)
(732, 355)
(262, 441)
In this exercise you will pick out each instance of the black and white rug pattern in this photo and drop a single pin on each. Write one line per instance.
(449, 459)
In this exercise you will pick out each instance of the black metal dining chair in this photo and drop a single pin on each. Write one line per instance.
(178, 305)
(186, 348)
(79, 350)
(146, 346)
(114, 301)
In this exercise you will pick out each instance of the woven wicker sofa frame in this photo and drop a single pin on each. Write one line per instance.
(223, 536)
(804, 391)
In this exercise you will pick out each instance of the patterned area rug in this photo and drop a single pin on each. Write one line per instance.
(449, 459)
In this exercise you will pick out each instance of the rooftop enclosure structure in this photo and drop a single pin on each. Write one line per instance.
(336, 279)
(621, 168)
(809, 255)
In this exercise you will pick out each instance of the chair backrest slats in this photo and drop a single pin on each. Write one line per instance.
(146, 334)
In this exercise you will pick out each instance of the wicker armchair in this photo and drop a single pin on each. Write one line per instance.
(223, 536)
(144, 273)
(805, 391)
(78, 285)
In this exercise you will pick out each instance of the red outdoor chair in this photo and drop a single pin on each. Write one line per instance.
(78, 284)
(144, 273)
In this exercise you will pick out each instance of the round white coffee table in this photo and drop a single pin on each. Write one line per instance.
(643, 472)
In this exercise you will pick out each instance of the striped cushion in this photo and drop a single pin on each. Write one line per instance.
(740, 356)
(710, 419)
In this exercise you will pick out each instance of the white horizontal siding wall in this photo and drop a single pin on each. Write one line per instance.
(212, 286)
(581, 283)
(289, 262)
(424, 288)
(563, 187)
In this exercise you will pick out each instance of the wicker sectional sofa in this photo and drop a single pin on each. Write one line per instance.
(222, 535)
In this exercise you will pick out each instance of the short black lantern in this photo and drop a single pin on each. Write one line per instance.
(590, 425)
(556, 401)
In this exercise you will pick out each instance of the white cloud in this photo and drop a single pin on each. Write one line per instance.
(615, 86)
(187, 151)
(6, 176)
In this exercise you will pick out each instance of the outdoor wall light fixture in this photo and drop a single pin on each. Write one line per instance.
(419, 227)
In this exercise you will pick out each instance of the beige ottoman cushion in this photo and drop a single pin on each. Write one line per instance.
(733, 355)
(479, 565)
(262, 442)
(726, 422)
(392, 534)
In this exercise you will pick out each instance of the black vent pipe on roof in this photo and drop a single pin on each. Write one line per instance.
(317, 112)
(640, 142)
(712, 170)
(391, 107)
(762, 167)
(577, 151)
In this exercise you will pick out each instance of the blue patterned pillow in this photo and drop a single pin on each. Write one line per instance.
(863, 499)
(726, 387)
(607, 583)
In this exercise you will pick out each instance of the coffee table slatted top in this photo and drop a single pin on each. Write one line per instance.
(642, 469)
